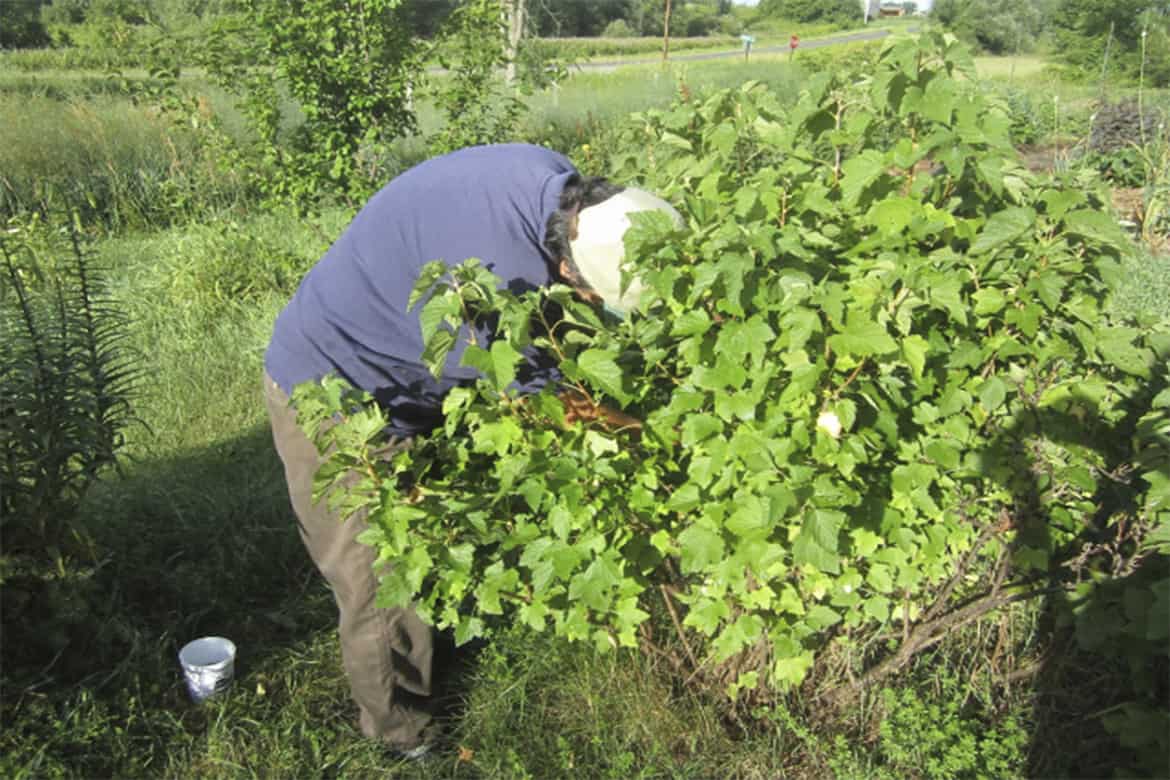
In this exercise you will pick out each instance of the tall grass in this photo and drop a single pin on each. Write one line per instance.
(71, 57)
(64, 85)
(107, 158)
(585, 108)
(72, 141)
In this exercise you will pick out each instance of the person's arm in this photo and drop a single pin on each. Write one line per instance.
(580, 408)
(539, 368)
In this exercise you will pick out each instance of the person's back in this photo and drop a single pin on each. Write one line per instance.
(349, 315)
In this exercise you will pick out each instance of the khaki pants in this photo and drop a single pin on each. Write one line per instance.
(386, 652)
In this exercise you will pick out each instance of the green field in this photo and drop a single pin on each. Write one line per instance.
(196, 535)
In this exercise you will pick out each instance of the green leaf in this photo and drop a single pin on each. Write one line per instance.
(600, 367)
(750, 520)
(1095, 225)
(865, 542)
(701, 547)
(914, 349)
(700, 427)
(893, 215)
(858, 173)
(442, 308)
(628, 617)
(992, 393)
(725, 374)
(560, 519)
(394, 589)
(691, 323)
(944, 452)
(939, 99)
(437, 349)
(947, 293)
(816, 544)
(478, 358)
(504, 360)
(745, 631)
(879, 578)
(1002, 228)
(862, 336)
(496, 579)
(497, 437)
(594, 586)
(599, 444)
(789, 670)
(1117, 345)
(684, 499)
(533, 615)
(468, 628)
(821, 617)
(707, 614)
(1048, 285)
(428, 275)
(877, 607)
(989, 300)
(741, 406)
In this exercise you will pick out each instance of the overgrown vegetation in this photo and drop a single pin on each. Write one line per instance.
(350, 69)
(1122, 39)
(194, 535)
(1127, 38)
(857, 433)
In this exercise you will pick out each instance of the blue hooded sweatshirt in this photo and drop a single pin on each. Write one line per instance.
(349, 315)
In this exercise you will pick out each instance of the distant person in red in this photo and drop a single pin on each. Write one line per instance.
(533, 220)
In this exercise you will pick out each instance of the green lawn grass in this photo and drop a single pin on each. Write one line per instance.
(1027, 66)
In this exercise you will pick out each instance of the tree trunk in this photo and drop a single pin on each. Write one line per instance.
(666, 33)
(514, 11)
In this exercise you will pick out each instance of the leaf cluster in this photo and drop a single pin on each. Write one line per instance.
(880, 393)
(477, 107)
(66, 384)
(350, 70)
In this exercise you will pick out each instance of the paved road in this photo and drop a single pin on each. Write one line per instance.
(714, 55)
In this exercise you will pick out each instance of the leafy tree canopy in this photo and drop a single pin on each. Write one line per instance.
(836, 11)
(20, 25)
(996, 26)
(1107, 37)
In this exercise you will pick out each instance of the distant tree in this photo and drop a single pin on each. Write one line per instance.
(20, 25)
(618, 28)
(64, 12)
(427, 16)
(126, 11)
(910, 7)
(350, 68)
(568, 18)
(995, 26)
(1107, 36)
(945, 12)
(828, 11)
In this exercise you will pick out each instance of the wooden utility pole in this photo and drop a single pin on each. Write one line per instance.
(666, 33)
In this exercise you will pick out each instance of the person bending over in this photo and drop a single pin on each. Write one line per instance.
(533, 220)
